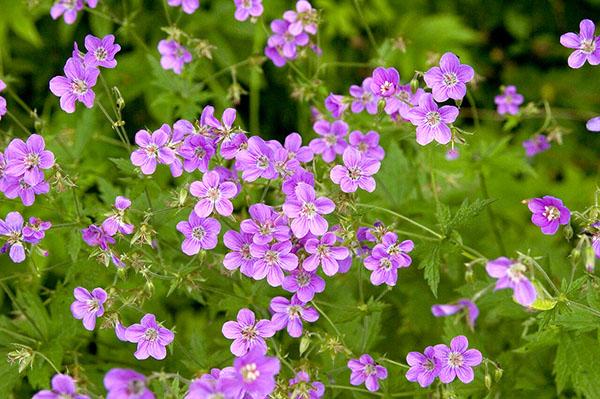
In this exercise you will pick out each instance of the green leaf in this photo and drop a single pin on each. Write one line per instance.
(431, 266)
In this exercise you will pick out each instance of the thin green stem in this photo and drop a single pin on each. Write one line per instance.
(18, 122)
(405, 218)
(399, 364)
(366, 24)
(329, 321)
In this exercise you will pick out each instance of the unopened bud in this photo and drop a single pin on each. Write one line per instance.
(487, 381)
(498, 373)
(590, 259)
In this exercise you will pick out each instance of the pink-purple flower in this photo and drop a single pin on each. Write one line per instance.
(200, 233)
(68, 9)
(63, 387)
(26, 190)
(28, 159)
(12, 228)
(303, 19)
(213, 195)
(239, 256)
(325, 253)
(366, 370)
(153, 149)
(306, 211)
(384, 268)
(385, 82)
(364, 99)
(449, 79)
(357, 172)
(76, 85)
(256, 160)
(88, 306)
(126, 384)
(331, 141)
(247, 333)
(432, 121)
(457, 360)
(336, 104)
(449, 309)
(301, 387)
(272, 260)
(367, 144)
(537, 144)
(188, 6)
(254, 375)
(424, 367)
(548, 213)
(586, 45)
(509, 101)
(593, 125)
(196, 151)
(116, 222)
(265, 224)
(151, 338)
(95, 236)
(173, 55)
(245, 9)
(305, 284)
(290, 313)
(101, 52)
(512, 274)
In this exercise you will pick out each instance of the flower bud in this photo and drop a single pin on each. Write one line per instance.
(487, 381)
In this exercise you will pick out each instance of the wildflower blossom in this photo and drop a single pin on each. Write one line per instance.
(384, 268)
(76, 85)
(324, 252)
(247, 333)
(305, 212)
(239, 256)
(245, 9)
(213, 195)
(3, 109)
(254, 374)
(511, 274)
(95, 236)
(271, 260)
(303, 19)
(449, 79)
(364, 99)
(303, 283)
(385, 82)
(452, 154)
(173, 55)
(35, 230)
(331, 141)
(26, 190)
(101, 52)
(282, 44)
(548, 213)
(432, 121)
(398, 251)
(12, 228)
(295, 149)
(356, 172)
(151, 338)
(537, 144)
(68, 9)
(63, 387)
(508, 102)
(116, 222)
(365, 370)
(28, 159)
(256, 160)
(336, 104)
(153, 149)
(266, 224)
(212, 385)
(457, 360)
(188, 6)
(586, 45)
(290, 313)
(301, 387)
(450, 309)
(126, 384)
(424, 367)
(88, 306)
(200, 233)
(197, 151)
(367, 144)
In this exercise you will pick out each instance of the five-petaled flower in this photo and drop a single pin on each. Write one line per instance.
(88, 306)
(151, 338)
(247, 333)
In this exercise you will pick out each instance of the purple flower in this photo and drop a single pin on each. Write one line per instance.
(27, 159)
(283, 164)
(356, 172)
(35, 230)
(448, 80)
(323, 252)
(586, 45)
(511, 274)
(248, 8)
(596, 240)
(401, 102)
(385, 82)
(537, 144)
(593, 125)
(336, 104)
(151, 338)
(76, 85)
(282, 45)
(17, 187)
(101, 52)
(256, 160)
(303, 19)
(232, 146)
(365, 370)
(452, 154)
(271, 260)
(67, 8)
(188, 6)
(95, 236)
(508, 102)
(213, 195)
(363, 98)
(367, 144)
(423, 367)
(247, 333)
(197, 152)
(295, 150)
(265, 225)
(397, 251)
(332, 141)
(12, 229)
(3, 109)
(453, 308)
(254, 375)
(548, 213)
(2, 85)
(63, 387)
(88, 306)
(457, 360)
(153, 149)
(173, 55)
(200, 233)
(213, 385)
(116, 222)
(306, 210)
(432, 121)
(302, 388)
(126, 384)
(240, 256)
(289, 185)
(304, 284)
(384, 268)
(290, 314)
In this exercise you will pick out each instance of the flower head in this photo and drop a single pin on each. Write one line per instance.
(126, 384)
(76, 85)
(265, 224)
(88, 306)
(364, 99)
(548, 213)
(35, 230)
(385, 82)
(432, 121)
(101, 52)
(28, 159)
(304, 284)
(239, 256)
(213, 194)
(188, 6)
(153, 149)
(306, 210)
(68, 9)
(336, 104)
(424, 367)
(457, 360)
(508, 102)
(365, 370)
(151, 338)
(254, 374)
(384, 267)
(12, 228)
(173, 55)
(537, 144)
(245, 9)
(290, 313)
(95, 236)
(301, 387)
(367, 144)
(116, 222)
(593, 125)
(331, 141)
(449, 79)
(356, 172)
(197, 151)
(586, 45)
(324, 252)
(26, 190)
(303, 19)
(511, 274)
(453, 308)
(200, 233)
(271, 260)
(247, 333)
(63, 387)
(256, 160)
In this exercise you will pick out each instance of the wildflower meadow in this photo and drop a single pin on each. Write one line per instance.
(251, 199)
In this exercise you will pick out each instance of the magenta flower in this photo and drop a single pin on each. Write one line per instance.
(12, 229)
(17, 187)
(101, 52)
(200, 233)
(301, 387)
(188, 6)
(212, 195)
(247, 333)
(398, 251)
(449, 79)
(401, 102)
(384, 268)
(35, 230)
(295, 150)
(432, 121)
(173, 55)
(197, 151)
(324, 252)
(240, 256)
(126, 384)
(232, 146)
(63, 387)
(271, 260)
(282, 44)
(537, 144)
(290, 314)
(245, 9)
(586, 45)
(367, 144)
(95, 236)
(3, 109)
(305, 212)
(364, 99)
(116, 222)
(336, 104)
(356, 172)
(304, 284)
(303, 19)
(265, 225)
(457, 360)
(511, 274)
(283, 164)
(424, 368)
(153, 149)
(331, 141)
(27, 159)
(508, 102)
(256, 160)
(365, 370)
(254, 375)
(385, 82)
(548, 213)
(151, 338)
(76, 85)
(289, 185)
(593, 125)
(68, 9)
(453, 308)
(88, 306)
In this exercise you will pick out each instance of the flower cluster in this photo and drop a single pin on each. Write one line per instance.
(82, 71)
(17, 234)
(292, 33)
(68, 9)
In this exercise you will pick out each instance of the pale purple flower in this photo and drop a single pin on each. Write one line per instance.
(432, 121)
(247, 333)
(101, 52)
(88, 306)
(295, 149)
(213, 195)
(289, 314)
(76, 85)
(3, 109)
(116, 222)
(197, 151)
(365, 370)
(452, 308)
(509, 101)
(324, 252)
(256, 160)
(265, 225)
(151, 338)
(2, 85)
(449, 79)
(384, 267)
(593, 125)
(331, 141)
(424, 368)
(586, 45)
(200, 233)
(254, 375)
(289, 185)
(91, 3)
(173, 55)
(367, 144)
(153, 149)
(511, 274)
(548, 213)
(284, 165)
(304, 284)
(12, 229)
(63, 387)
(537, 144)
(35, 230)
(306, 210)
(457, 360)
(239, 256)
(398, 251)
(27, 159)
(95, 236)
(303, 19)
(401, 102)
(245, 9)
(385, 82)
(188, 6)
(232, 146)
(364, 99)
(356, 172)
(126, 384)
(301, 387)
(212, 385)
(452, 154)
(596, 240)
(17, 187)
(68, 9)
(336, 104)
(272, 260)
(282, 44)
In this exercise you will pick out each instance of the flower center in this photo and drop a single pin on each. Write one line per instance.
(249, 333)
(93, 305)
(250, 372)
(32, 159)
(294, 311)
(14, 237)
(79, 87)
(433, 118)
(455, 359)
(404, 96)
(354, 173)
(213, 193)
(266, 228)
(386, 263)
(246, 3)
(308, 209)
(331, 139)
(101, 54)
(386, 88)
(450, 79)
(135, 387)
(199, 152)
(271, 257)
(428, 365)
(551, 213)
(370, 369)
(363, 147)
(69, 4)
(152, 150)
(151, 334)
(588, 46)
(516, 272)
(303, 279)
(198, 233)
(262, 162)
(508, 99)
(245, 252)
